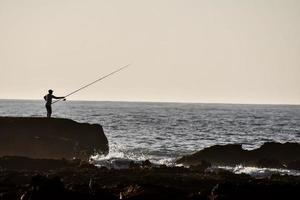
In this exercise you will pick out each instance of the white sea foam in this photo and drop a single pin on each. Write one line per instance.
(119, 157)
(259, 172)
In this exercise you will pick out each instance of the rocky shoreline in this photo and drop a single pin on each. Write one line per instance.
(37, 162)
(76, 179)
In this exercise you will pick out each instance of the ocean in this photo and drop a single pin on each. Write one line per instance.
(163, 132)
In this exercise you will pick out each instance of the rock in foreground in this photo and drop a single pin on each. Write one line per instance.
(71, 179)
(50, 138)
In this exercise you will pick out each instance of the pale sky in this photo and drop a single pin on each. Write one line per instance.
(217, 51)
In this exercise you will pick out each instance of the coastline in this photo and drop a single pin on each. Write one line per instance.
(75, 179)
(50, 177)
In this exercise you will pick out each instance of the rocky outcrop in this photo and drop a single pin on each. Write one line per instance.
(71, 179)
(271, 154)
(50, 138)
(294, 165)
(18, 163)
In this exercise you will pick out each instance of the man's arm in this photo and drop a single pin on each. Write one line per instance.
(54, 97)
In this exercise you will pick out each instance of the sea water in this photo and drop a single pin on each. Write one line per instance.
(163, 132)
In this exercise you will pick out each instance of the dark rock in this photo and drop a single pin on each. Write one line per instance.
(42, 187)
(269, 163)
(230, 154)
(295, 164)
(131, 192)
(50, 138)
(30, 164)
(268, 155)
(133, 165)
(136, 165)
(200, 167)
(149, 192)
(24, 163)
(284, 152)
(80, 183)
(146, 164)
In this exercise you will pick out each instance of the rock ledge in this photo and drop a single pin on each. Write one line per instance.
(53, 138)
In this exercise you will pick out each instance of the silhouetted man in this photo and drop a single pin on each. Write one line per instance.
(48, 98)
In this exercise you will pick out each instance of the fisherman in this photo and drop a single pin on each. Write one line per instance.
(48, 98)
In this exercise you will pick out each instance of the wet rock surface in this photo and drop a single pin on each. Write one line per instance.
(272, 155)
(295, 164)
(50, 138)
(75, 179)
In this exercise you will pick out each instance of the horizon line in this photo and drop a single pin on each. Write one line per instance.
(175, 102)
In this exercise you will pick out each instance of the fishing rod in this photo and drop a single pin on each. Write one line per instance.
(99, 79)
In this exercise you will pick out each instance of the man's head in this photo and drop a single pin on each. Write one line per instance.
(50, 91)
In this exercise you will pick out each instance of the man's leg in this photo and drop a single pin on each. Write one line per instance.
(49, 111)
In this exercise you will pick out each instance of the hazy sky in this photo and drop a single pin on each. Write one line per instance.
(230, 51)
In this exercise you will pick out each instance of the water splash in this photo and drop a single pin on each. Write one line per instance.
(119, 157)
